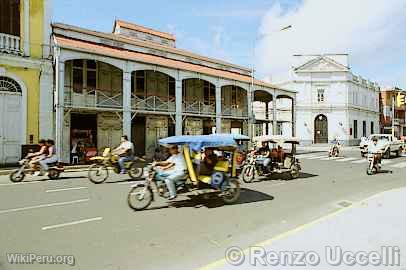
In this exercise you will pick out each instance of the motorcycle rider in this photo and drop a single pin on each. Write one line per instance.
(38, 156)
(375, 149)
(266, 153)
(172, 171)
(51, 157)
(126, 152)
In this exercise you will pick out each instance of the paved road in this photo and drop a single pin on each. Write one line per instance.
(72, 216)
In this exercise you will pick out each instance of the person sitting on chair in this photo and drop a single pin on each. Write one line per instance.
(172, 170)
(126, 152)
(207, 164)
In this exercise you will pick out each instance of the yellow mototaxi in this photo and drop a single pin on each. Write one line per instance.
(222, 182)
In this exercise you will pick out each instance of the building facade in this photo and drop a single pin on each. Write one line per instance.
(135, 81)
(332, 101)
(26, 76)
(393, 111)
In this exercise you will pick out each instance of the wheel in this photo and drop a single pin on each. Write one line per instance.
(248, 173)
(231, 192)
(362, 155)
(294, 173)
(140, 197)
(369, 171)
(135, 172)
(387, 154)
(98, 173)
(17, 176)
(399, 152)
(53, 174)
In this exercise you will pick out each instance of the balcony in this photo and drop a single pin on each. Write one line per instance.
(153, 103)
(93, 99)
(235, 111)
(10, 44)
(196, 106)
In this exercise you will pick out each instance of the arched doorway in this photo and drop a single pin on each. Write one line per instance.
(11, 115)
(320, 129)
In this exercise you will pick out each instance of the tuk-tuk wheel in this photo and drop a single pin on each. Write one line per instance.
(140, 197)
(231, 193)
(294, 173)
(248, 173)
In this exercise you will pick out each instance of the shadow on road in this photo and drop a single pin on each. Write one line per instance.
(283, 176)
(214, 201)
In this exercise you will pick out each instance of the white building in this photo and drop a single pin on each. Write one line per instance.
(332, 102)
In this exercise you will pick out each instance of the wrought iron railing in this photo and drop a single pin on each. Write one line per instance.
(198, 107)
(153, 103)
(93, 99)
(234, 110)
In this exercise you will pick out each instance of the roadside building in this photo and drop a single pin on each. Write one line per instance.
(135, 81)
(332, 101)
(393, 111)
(26, 76)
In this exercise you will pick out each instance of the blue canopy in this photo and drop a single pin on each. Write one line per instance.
(198, 142)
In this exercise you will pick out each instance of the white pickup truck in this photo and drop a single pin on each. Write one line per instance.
(390, 144)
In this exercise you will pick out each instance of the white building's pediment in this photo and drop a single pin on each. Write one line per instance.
(321, 64)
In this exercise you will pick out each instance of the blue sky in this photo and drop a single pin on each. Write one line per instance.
(226, 29)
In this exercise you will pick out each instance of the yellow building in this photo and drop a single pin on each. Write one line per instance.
(26, 78)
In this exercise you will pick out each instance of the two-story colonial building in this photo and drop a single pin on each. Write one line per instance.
(332, 101)
(135, 81)
(26, 75)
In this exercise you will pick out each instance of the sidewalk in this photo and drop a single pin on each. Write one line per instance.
(69, 168)
(376, 228)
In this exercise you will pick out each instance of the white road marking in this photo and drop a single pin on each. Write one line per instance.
(306, 155)
(359, 161)
(71, 223)
(42, 206)
(347, 159)
(23, 183)
(386, 161)
(318, 157)
(399, 165)
(331, 158)
(65, 189)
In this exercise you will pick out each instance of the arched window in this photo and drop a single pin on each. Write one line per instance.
(9, 85)
(10, 17)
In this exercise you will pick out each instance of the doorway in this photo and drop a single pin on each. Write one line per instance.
(321, 129)
(138, 135)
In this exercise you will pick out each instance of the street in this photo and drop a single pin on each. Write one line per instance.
(73, 216)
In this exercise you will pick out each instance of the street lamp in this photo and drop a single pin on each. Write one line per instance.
(259, 37)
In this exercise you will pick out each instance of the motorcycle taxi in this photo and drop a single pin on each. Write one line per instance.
(99, 171)
(222, 182)
(286, 162)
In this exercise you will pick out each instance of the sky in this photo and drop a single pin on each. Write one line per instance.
(243, 32)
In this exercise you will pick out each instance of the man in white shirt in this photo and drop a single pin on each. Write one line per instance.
(376, 149)
(172, 170)
(126, 152)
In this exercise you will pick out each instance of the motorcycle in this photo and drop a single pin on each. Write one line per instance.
(334, 150)
(374, 164)
(19, 174)
(99, 171)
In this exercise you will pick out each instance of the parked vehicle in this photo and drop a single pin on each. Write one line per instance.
(287, 164)
(19, 174)
(374, 164)
(99, 171)
(222, 183)
(390, 145)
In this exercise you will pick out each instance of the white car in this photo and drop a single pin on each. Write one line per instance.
(390, 144)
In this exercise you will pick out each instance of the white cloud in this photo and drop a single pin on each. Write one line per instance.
(373, 32)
